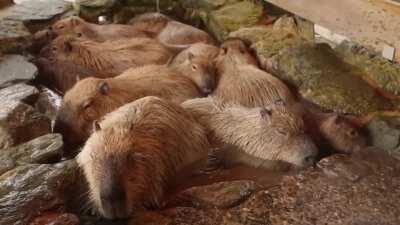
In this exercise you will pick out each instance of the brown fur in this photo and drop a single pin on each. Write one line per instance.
(136, 151)
(198, 50)
(256, 136)
(243, 83)
(92, 98)
(170, 31)
(76, 26)
(105, 59)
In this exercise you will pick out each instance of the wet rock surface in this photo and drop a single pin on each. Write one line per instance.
(20, 122)
(15, 68)
(28, 191)
(44, 149)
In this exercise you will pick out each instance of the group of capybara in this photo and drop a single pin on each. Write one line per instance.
(148, 99)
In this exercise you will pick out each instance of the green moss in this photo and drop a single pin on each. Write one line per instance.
(231, 17)
(383, 73)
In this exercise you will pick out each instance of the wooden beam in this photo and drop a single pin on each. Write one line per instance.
(373, 23)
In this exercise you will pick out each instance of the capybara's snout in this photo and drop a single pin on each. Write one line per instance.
(113, 201)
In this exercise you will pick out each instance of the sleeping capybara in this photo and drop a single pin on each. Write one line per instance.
(260, 136)
(104, 59)
(169, 31)
(332, 132)
(136, 151)
(198, 50)
(242, 82)
(200, 70)
(92, 98)
(151, 25)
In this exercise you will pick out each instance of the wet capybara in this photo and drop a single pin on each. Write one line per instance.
(136, 151)
(242, 82)
(92, 98)
(198, 69)
(106, 59)
(198, 50)
(260, 136)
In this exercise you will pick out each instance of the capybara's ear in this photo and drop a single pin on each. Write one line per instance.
(103, 88)
(75, 20)
(265, 113)
(223, 50)
(96, 126)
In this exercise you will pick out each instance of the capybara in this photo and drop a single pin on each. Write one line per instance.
(258, 136)
(201, 50)
(198, 69)
(332, 132)
(104, 59)
(136, 151)
(242, 82)
(92, 98)
(80, 28)
(169, 31)
(151, 25)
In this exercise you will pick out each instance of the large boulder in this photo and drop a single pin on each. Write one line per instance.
(15, 68)
(20, 122)
(231, 17)
(385, 133)
(28, 191)
(314, 70)
(44, 149)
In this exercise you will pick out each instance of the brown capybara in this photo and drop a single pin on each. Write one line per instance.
(242, 82)
(169, 31)
(332, 132)
(92, 98)
(80, 28)
(260, 136)
(198, 50)
(106, 59)
(136, 151)
(198, 69)
(151, 25)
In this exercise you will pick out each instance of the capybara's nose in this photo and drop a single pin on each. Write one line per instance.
(113, 201)
(309, 160)
(207, 91)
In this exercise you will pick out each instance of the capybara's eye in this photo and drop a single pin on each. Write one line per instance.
(86, 104)
(194, 67)
(79, 34)
(224, 50)
(60, 26)
(54, 48)
(353, 133)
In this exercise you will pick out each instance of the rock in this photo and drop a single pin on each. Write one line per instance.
(231, 17)
(220, 195)
(206, 5)
(48, 103)
(56, 219)
(14, 36)
(348, 190)
(28, 191)
(187, 215)
(44, 149)
(380, 72)
(20, 122)
(385, 133)
(15, 68)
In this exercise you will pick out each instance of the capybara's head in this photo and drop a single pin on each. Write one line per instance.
(87, 101)
(135, 152)
(60, 48)
(341, 134)
(201, 71)
(234, 51)
(73, 26)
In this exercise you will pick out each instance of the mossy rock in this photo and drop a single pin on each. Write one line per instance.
(382, 73)
(323, 78)
(231, 17)
(206, 5)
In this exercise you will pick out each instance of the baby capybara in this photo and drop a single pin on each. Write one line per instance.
(260, 136)
(135, 152)
(105, 59)
(242, 82)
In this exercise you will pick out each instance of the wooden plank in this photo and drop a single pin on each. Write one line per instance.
(373, 23)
